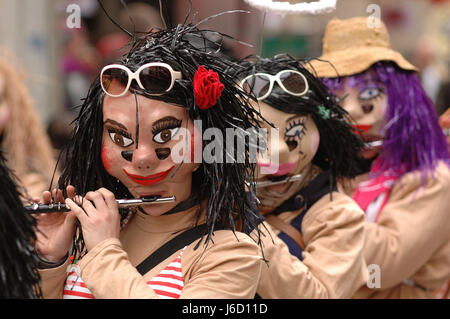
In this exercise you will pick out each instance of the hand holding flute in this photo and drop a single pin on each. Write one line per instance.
(97, 212)
(55, 231)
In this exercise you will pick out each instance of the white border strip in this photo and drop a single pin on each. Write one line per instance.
(317, 7)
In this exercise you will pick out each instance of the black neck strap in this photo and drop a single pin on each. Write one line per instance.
(165, 251)
(308, 195)
(192, 200)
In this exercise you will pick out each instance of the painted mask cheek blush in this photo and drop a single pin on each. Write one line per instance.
(315, 141)
(106, 160)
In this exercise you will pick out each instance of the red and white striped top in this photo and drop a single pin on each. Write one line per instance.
(168, 284)
(75, 288)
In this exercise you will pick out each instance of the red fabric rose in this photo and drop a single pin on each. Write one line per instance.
(207, 88)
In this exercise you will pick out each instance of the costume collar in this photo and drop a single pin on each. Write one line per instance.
(308, 195)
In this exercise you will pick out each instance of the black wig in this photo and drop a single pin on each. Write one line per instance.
(18, 263)
(339, 146)
(185, 48)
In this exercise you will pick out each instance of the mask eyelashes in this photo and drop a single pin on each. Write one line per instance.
(299, 133)
(291, 140)
(118, 131)
(364, 96)
(166, 125)
(165, 129)
(125, 137)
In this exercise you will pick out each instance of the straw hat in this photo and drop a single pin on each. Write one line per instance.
(351, 46)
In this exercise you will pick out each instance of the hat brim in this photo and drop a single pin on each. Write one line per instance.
(355, 60)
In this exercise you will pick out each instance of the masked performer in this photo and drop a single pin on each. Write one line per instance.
(317, 233)
(18, 264)
(125, 139)
(22, 137)
(405, 195)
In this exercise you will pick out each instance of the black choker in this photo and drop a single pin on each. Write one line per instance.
(192, 200)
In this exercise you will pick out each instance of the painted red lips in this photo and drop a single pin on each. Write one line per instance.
(361, 128)
(149, 179)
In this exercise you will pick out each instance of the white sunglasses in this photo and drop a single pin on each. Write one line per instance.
(261, 84)
(155, 78)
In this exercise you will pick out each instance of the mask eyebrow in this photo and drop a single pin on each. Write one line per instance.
(165, 120)
(340, 99)
(123, 127)
(294, 116)
(370, 85)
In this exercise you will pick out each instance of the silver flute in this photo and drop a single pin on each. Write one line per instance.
(62, 208)
(374, 143)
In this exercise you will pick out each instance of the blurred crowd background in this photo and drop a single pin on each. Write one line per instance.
(60, 57)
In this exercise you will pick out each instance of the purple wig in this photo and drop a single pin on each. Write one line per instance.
(413, 139)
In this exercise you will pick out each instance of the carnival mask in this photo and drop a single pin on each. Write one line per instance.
(138, 152)
(298, 141)
(366, 103)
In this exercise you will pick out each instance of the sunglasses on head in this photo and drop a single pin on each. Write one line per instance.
(155, 78)
(261, 84)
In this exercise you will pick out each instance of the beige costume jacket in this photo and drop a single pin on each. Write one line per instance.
(229, 267)
(410, 241)
(333, 265)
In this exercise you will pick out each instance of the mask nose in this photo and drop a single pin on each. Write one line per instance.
(277, 157)
(285, 154)
(143, 158)
(353, 107)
